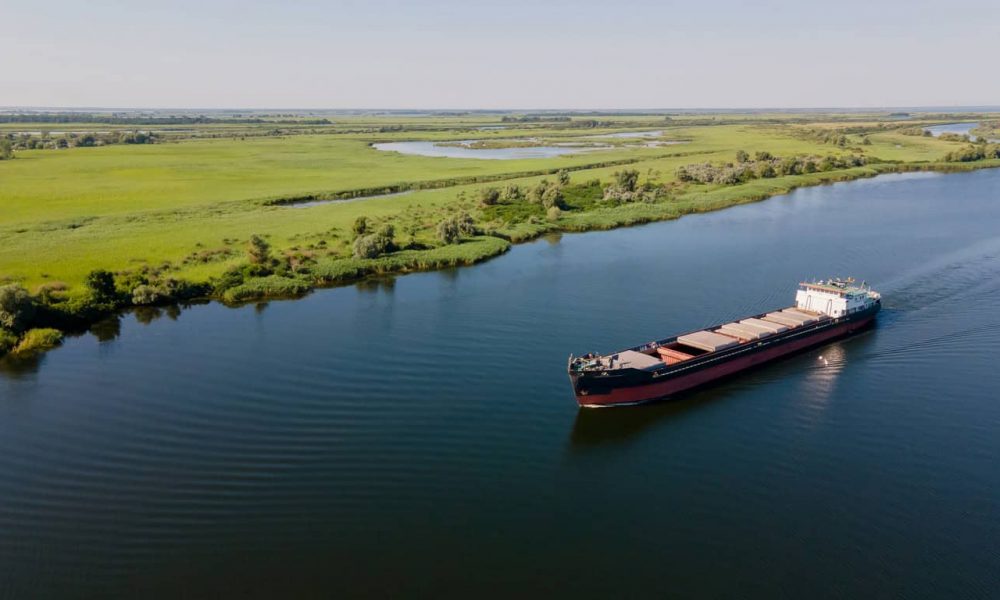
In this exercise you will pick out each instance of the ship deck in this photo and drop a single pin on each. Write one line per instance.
(701, 343)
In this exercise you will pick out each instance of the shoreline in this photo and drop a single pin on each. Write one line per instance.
(480, 248)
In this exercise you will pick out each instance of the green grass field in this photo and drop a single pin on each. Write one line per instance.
(66, 212)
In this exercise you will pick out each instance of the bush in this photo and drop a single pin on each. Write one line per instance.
(466, 225)
(447, 231)
(489, 196)
(552, 197)
(360, 225)
(266, 287)
(51, 292)
(375, 245)
(538, 191)
(553, 213)
(512, 193)
(451, 229)
(101, 284)
(627, 179)
(144, 295)
(36, 340)
(972, 153)
(17, 308)
(7, 341)
(258, 250)
(563, 176)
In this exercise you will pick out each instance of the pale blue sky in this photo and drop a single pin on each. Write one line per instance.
(509, 54)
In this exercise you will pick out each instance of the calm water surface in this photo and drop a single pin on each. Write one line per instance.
(436, 149)
(957, 128)
(418, 436)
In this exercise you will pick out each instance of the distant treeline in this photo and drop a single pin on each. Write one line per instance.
(764, 165)
(146, 120)
(974, 152)
(534, 119)
(45, 141)
(836, 137)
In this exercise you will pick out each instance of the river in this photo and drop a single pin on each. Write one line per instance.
(957, 128)
(417, 435)
(462, 150)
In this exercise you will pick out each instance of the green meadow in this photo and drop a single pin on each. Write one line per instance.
(188, 205)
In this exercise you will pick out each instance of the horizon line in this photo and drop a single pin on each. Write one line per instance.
(779, 109)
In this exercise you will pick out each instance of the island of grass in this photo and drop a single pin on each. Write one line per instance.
(146, 214)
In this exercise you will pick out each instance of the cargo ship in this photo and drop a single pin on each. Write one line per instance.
(823, 311)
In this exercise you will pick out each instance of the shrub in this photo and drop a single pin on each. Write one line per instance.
(17, 308)
(376, 244)
(36, 340)
(447, 231)
(627, 179)
(742, 156)
(466, 225)
(563, 176)
(272, 286)
(553, 213)
(512, 193)
(258, 250)
(144, 295)
(7, 341)
(451, 229)
(972, 153)
(360, 226)
(552, 197)
(101, 284)
(489, 196)
(538, 191)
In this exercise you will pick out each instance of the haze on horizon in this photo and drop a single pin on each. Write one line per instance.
(395, 54)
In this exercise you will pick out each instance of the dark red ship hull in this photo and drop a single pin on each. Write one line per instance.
(646, 386)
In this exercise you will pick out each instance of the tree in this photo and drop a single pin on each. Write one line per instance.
(466, 226)
(552, 197)
(258, 250)
(360, 225)
(447, 231)
(6, 150)
(375, 244)
(764, 155)
(627, 179)
(765, 169)
(563, 176)
(742, 156)
(17, 308)
(101, 284)
(538, 191)
(87, 140)
(489, 196)
(512, 193)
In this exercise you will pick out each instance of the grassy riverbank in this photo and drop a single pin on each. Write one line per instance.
(170, 222)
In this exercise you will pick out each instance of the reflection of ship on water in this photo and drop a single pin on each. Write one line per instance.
(593, 428)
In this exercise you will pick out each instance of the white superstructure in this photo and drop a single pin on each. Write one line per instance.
(835, 297)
